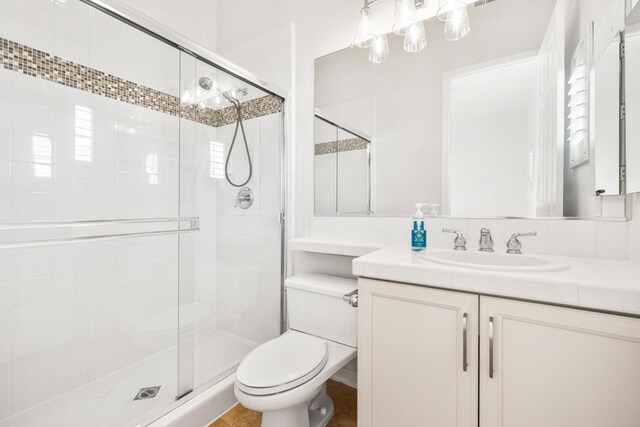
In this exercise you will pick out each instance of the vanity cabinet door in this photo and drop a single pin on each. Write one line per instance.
(417, 356)
(551, 366)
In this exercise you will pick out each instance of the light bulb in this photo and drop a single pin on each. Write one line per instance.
(404, 16)
(379, 49)
(446, 6)
(457, 24)
(364, 29)
(415, 39)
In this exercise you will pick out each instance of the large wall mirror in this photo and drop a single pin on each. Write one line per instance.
(519, 118)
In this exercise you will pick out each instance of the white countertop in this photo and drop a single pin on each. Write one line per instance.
(612, 285)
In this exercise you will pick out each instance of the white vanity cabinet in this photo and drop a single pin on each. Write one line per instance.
(542, 365)
(539, 365)
(417, 356)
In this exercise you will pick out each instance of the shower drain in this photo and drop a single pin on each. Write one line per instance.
(147, 393)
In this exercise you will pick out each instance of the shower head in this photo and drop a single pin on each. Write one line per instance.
(233, 95)
(230, 95)
(205, 83)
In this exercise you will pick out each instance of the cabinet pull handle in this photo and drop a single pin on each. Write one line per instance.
(465, 362)
(490, 347)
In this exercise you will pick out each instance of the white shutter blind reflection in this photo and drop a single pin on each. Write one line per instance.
(577, 112)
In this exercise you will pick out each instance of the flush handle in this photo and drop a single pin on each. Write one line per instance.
(351, 298)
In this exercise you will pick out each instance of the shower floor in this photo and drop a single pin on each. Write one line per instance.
(108, 401)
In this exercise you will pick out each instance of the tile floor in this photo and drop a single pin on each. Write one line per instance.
(344, 399)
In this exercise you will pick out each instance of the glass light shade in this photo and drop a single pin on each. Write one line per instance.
(457, 24)
(364, 30)
(404, 16)
(446, 6)
(415, 39)
(379, 49)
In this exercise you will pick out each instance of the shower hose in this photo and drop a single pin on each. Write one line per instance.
(239, 124)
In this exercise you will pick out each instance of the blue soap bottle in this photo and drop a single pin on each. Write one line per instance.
(418, 232)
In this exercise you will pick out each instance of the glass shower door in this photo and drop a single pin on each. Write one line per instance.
(90, 229)
(238, 196)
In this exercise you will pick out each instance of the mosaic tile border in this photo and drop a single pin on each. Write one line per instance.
(36, 63)
(351, 144)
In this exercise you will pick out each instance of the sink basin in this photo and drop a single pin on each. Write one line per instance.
(494, 261)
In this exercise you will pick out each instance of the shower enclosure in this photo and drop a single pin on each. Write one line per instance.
(132, 273)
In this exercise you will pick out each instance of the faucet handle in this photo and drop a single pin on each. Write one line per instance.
(459, 243)
(514, 246)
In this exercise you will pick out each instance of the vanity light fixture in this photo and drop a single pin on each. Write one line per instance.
(364, 30)
(446, 6)
(379, 49)
(415, 39)
(457, 24)
(409, 17)
(404, 16)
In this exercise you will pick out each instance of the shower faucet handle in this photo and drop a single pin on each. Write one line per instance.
(244, 199)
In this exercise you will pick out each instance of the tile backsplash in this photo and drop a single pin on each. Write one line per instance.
(583, 238)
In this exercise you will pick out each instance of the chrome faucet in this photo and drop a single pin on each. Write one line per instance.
(459, 243)
(486, 241)
(244, 199)
(514, 246)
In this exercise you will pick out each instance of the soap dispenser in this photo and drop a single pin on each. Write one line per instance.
(418, 232)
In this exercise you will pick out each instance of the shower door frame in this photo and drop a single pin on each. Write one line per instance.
(124, 13)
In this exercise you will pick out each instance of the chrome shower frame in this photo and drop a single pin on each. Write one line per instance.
(120, 10)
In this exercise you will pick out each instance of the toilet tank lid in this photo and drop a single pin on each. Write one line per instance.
(322, 284)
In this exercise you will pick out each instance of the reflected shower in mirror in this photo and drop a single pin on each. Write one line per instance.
(512, 120)
(342, 169)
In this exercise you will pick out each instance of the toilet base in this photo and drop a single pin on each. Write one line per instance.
(316, 413)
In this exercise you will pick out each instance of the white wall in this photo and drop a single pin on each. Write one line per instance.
(634, 229)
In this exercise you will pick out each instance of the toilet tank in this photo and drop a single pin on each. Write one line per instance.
(315, 306)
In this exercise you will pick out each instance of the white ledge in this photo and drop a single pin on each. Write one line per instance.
(333, 247)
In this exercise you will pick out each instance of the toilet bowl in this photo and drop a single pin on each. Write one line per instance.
(285, 378)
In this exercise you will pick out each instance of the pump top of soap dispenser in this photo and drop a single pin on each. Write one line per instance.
(419, 213)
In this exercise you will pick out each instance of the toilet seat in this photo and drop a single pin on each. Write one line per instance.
(282, 364)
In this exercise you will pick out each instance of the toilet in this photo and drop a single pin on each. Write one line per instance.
(285, 378)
